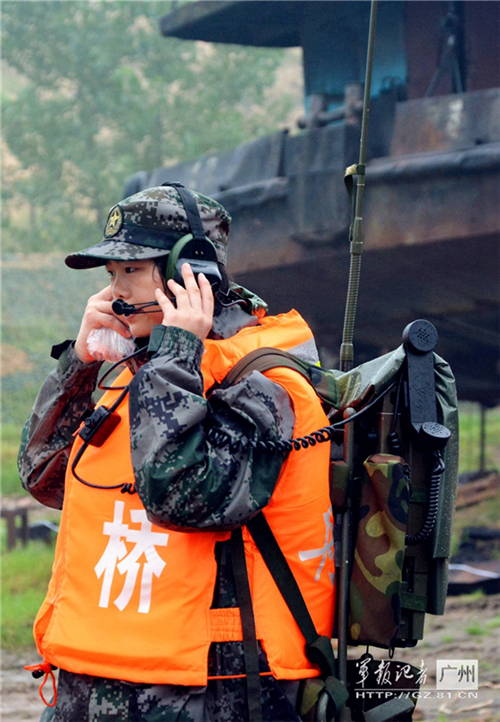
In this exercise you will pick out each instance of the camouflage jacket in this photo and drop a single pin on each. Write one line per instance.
(184, 482)
(183, 479)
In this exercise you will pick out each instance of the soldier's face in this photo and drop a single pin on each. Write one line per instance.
(135, 282)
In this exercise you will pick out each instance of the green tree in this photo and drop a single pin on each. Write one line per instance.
(102, 95)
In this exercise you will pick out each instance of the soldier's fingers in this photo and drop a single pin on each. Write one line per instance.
(94, 319)
(191, 286)
(206, 294)
(164, 301)
(103, 305)
(111, 321)
(178, 292)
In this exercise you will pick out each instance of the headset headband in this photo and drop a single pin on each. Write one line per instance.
(192, 212)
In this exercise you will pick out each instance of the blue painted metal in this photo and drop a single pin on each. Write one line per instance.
(334, 42)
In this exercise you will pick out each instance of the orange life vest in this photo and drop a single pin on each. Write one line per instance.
(131, 600)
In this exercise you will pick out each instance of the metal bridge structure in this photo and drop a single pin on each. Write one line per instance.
(431, 217)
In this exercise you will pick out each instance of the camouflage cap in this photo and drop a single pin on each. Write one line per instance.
(148, 224)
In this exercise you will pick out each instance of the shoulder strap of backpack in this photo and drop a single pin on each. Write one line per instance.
(261, 359)
(318, 647)
(282, 574)
(323, 381)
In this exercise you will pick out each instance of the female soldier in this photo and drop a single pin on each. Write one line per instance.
(156, 486)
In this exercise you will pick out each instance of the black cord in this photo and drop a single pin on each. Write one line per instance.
(433, 504)
(230, 298)
(112, 368)
(219, 437)
(126, 488)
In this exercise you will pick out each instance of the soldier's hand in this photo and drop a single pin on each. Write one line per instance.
(195, 303)
(98, 314)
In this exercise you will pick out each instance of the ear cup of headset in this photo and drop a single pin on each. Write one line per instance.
(201, 256)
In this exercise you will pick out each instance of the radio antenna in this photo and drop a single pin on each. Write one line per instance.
(356, 227)
(345, 518)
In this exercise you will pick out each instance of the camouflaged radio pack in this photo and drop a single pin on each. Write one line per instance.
(400, 487)
(393, 478)
(400, 491)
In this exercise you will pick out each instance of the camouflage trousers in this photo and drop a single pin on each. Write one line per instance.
(82, 698)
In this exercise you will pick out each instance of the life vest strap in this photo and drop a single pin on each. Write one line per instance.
(45, 669)
(250, 647)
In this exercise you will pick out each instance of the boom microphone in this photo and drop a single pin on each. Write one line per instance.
(122, 308)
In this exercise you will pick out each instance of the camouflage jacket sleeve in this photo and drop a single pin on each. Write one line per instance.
(192, 466)
(47, 436)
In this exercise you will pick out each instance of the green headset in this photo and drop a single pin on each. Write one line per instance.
(194, 248)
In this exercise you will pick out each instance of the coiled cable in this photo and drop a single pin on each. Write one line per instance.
(433, 504)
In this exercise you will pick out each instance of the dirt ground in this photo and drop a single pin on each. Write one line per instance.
(470, 629)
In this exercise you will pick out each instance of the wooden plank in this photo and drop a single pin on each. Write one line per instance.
(13, 508)
(476, 491)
